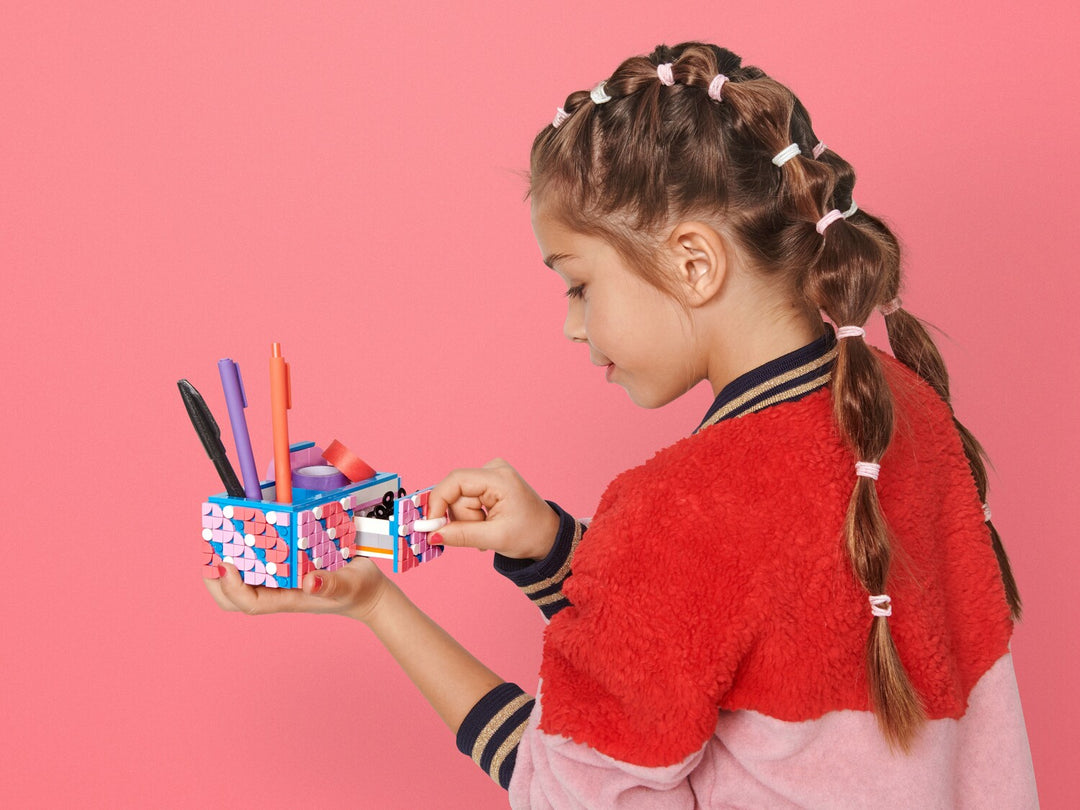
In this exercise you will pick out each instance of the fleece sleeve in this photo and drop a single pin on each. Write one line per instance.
(661, 616)
(542, 580)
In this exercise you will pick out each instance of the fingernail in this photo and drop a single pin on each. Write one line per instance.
(435, 539)
(316, 583)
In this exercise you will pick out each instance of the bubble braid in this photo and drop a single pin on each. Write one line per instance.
(657, 153)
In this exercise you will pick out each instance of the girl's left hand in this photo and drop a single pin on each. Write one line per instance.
(354, 591)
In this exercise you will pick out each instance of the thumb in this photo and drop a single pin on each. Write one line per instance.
(464, 533)
(336, 585)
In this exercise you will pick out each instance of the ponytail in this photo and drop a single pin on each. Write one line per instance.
(845, 281)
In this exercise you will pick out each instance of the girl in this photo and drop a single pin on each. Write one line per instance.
(751, 643)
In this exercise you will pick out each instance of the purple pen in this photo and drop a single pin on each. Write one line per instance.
(236, 399)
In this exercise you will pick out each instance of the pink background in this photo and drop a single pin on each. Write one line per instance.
(181, 182)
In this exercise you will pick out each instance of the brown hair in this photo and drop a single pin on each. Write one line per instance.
(655, 155)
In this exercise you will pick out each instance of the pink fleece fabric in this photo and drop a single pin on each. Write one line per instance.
(840, 760)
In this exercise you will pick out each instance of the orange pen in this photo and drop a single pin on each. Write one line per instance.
(280, 403)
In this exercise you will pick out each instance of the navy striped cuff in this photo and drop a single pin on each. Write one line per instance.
(492, 729)
(542, 580)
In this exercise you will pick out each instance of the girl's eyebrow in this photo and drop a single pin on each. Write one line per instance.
(555, 257)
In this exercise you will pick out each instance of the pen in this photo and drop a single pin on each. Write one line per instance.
(280, 402)
(236, 399)
(210, 434)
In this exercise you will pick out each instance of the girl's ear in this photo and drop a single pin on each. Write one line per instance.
(701, 261)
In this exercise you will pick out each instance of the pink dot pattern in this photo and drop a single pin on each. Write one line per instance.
(413, 547)
(327, 537)
(247, 540)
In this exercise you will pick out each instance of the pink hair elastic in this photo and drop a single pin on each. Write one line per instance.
(599, 95)
(828, 220)
(560, 116)
(821, 147)
(850, 331)
(786, 154)
(891, 307)
(881, 605)
(715, 85)
(867, 469)
(667, 78)
(986, 512)
(851, 210)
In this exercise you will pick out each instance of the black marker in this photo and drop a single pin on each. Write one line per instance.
(210, 434)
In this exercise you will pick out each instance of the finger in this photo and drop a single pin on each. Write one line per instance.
(257, 601)
(335, 586)
(214, 587)
(464, 509)
(484, 485)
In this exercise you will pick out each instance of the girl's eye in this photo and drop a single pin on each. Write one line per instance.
(576, 292)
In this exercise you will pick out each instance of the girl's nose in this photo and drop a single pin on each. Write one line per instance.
(574, 326)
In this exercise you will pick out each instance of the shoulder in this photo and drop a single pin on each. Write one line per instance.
(718, 459)
(711, 513)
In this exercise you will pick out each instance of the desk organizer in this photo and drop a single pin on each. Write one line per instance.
(276, 544)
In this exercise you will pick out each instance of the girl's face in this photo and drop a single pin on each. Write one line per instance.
(640, 336)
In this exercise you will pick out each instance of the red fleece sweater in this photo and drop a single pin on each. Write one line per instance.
(715, 577)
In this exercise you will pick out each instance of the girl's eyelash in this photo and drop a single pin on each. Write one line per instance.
(576, 291)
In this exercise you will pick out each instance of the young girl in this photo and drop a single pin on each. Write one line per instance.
(804, 603)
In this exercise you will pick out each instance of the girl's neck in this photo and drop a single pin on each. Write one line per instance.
(744, 344)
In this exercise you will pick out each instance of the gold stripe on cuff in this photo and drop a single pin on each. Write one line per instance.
(559, 575)
(495, 723)
(508, 745)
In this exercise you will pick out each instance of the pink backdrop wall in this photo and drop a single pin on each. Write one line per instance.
(184, 181)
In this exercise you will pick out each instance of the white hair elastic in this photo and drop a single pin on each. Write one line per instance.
(663, 71)
(881, 605)
(850, 331)
(867, 469)
(986, 512)
(715, 85)
(786, 154)
(560, 116)
(854, 207)
(817, 150)
(828, 220)
(891, 307)
(598, 94)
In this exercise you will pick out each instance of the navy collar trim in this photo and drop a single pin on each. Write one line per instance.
(786, 379)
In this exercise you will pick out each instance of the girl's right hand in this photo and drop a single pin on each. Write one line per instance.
(493, 508)
(354, 591)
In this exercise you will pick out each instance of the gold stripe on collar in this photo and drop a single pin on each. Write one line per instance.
(774, 382)
(791, 393)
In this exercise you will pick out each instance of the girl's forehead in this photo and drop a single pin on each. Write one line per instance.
(549, 228)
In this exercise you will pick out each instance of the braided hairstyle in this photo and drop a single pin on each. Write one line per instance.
(689, 132)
